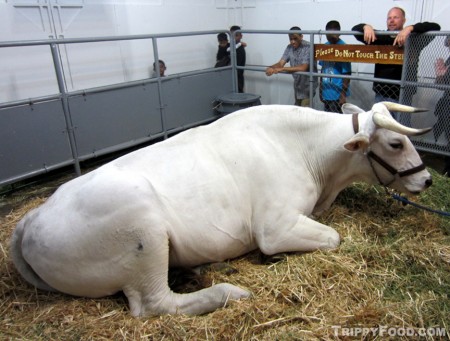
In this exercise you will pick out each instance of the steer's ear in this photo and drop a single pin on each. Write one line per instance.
(348, 108)
(358, 142)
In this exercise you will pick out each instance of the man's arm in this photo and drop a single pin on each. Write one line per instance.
(417, 28)
(280, 67)
(370, 35)
(238, 45)
(359, 28)
(296, 68)
(273, 69)
(426, 26)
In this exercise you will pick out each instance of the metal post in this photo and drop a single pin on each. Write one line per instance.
(405, 119)
(311, 70)
(233, 61)
(54, 48)
(404, 71)
(162, 108)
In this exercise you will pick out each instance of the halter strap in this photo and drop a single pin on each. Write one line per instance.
(392, 170)
(381, 162)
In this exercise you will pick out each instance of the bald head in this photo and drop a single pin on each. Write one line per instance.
(395, 19)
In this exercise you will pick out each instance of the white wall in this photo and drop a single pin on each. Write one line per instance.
(313, 15)
(28, 72)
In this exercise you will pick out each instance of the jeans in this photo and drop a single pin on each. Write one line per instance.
(302, 102)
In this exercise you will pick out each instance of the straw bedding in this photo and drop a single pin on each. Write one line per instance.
(392, 269)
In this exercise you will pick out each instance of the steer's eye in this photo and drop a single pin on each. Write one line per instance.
(396, 145)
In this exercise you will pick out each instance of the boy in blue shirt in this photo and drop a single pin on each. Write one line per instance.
(334, 91)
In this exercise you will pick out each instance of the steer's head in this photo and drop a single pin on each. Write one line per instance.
(392, 157)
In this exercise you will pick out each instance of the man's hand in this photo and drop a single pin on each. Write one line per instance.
(272, 70)
(400, 40)
(440, 68)
(369, 34)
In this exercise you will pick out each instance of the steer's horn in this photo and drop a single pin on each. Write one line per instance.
(389, 123)
(391, 106)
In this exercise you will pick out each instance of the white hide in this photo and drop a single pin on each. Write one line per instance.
(249, 180)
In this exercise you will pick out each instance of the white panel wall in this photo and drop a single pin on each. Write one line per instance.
(313, 15)
(28, 74)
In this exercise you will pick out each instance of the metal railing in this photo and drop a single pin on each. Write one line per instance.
(417, 83)
(20, 137)
(22, 121)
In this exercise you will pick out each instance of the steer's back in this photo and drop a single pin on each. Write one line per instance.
(199, 192)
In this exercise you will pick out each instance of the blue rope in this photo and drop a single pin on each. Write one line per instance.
(406, 202)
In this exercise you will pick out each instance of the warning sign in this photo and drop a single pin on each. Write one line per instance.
(377, 54)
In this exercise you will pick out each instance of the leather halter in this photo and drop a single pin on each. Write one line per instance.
(372, 156)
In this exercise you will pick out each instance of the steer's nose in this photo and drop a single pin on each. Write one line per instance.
(428, 182)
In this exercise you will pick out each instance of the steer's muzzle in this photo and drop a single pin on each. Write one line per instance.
(423, 185)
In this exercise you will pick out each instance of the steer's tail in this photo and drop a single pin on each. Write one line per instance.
(19, 261)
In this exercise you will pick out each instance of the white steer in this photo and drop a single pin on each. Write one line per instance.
(249, 180)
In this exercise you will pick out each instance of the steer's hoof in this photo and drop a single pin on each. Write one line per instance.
(221, 267)
(232, 292)
(273, 259)
(332, 242)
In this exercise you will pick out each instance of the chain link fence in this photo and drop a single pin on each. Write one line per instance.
(430, 70)
(424, 83)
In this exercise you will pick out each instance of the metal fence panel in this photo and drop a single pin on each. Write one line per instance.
(191, 99)
(34, 140)
(71, 126)
(114, 117)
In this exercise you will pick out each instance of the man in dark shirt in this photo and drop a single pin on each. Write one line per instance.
(223, 50)
(395, 22)
(240, 56)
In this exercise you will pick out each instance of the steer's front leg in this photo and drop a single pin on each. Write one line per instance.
(305, 235)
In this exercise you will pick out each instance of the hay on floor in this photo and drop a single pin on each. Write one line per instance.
(392, 269)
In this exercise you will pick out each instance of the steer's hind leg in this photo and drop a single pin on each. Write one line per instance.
(305, 234)
(149, 292)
